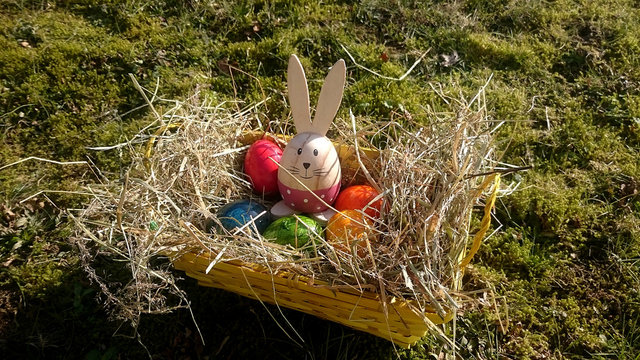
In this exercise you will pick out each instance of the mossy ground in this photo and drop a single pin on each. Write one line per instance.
(563, 271)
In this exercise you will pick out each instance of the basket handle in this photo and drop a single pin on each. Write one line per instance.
(486, 219)
(152, 141)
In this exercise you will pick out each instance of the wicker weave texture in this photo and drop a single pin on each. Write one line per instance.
(359, 310)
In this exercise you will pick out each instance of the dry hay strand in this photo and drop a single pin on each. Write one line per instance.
(427, 172)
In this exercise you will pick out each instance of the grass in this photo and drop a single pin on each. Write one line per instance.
(563, 268)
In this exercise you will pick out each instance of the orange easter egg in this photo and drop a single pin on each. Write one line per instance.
(349, 228)
(359, 197)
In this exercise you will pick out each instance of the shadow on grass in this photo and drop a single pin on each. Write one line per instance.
(62, 321)
(66, 321)
(236, 327)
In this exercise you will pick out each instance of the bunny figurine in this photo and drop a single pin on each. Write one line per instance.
(309, 173)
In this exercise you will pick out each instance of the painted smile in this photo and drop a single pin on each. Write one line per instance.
(306, 172)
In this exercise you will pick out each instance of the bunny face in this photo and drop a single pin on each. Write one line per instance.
(309, 161)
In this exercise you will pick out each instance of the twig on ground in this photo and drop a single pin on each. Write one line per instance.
(383, 76)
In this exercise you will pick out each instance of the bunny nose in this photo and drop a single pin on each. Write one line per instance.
(306, 165)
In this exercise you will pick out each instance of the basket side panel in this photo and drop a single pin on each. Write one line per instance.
(400, 324)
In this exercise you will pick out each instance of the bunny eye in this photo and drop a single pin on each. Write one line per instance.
(315, 152)
(299, 151)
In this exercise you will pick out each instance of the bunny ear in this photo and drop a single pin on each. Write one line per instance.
(330, 98)
(298, 95)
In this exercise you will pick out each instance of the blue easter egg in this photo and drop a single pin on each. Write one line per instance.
(241, 212)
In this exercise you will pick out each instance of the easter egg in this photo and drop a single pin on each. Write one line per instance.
(348, 229)
(359, 197)
(241, 212)
(296, 231)
(261, 165)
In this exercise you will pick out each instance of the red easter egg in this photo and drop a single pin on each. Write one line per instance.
(261, 165)
(356, 197)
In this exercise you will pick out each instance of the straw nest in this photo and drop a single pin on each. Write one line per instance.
(429, 169)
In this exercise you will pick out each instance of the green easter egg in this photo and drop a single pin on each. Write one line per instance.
(293, 230)
(153, 226)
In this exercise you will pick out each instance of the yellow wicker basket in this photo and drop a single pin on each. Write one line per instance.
(396, 320)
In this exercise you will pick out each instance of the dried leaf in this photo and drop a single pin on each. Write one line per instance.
(450, 59)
